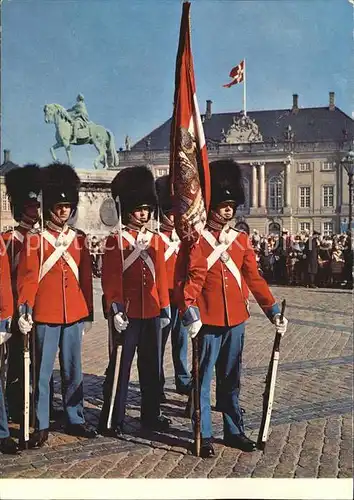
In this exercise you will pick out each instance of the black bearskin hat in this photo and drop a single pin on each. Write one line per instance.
(135, 186)
(226, 182)
(61, 184)
(23, 184)
(163, 191)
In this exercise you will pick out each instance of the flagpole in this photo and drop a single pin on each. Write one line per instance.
(244, 88)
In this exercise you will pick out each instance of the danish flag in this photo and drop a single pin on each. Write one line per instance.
(189, 166)
(237, 74)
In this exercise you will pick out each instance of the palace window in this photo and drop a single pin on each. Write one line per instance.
(161, 172)
(328, 228)
(304, 166)
(5, 204)
(328, 196)
(304, 226)
(275, 193)
(305, 196)
(246, 189)
(328, 165)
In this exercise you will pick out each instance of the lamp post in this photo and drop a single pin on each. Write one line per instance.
(348, 163)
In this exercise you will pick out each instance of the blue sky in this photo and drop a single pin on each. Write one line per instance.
(121, 55)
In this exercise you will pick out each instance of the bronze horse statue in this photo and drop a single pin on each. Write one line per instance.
(97, 135)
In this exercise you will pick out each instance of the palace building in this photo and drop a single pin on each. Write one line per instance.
(290, 160)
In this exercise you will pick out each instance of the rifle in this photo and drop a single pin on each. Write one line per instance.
(26, 388)
(196, 395)
(33, 378)
(268, 395)
(114, 353)
(4, 357)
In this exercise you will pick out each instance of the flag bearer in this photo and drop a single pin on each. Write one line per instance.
(179, 337)
(213, 299)
(55, 289)
(135, 288)
(7, 444)
(23, 186)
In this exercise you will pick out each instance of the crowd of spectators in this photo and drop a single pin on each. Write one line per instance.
(298, 260)
(305, 260)
(96, 248)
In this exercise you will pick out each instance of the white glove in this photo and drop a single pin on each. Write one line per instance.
(120, 324)
(4, 337)
(164, 322)
(280, 326)
(193, 328)
(87, 327)
(25, 325)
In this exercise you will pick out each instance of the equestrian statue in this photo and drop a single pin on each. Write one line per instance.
(73, 127)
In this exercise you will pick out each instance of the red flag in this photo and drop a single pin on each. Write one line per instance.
(189, 166)
(237, 74)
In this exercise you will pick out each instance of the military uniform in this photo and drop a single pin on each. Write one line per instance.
(179, 337)
(23, 186)
(7, 445)
(214, 279)
(55, 280)
(134, 281)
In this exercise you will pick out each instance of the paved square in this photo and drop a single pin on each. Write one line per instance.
(311, 434)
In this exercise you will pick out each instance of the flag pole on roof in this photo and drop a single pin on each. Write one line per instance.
(189, 166)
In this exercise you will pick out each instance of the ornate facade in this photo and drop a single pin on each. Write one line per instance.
(290, 161)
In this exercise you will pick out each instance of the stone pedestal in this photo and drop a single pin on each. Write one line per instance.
(96, 214)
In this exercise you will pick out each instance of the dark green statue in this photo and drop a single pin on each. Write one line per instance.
(74, 127)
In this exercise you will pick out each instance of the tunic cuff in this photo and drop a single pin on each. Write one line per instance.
(116, 308)
(4, 325)
(270, 313)
(190, 316)
(22, 309)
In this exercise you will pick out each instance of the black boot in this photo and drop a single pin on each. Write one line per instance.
(81, 430)
(241, 442)
(113, 432)
(8, 446)
(37, 439)
(206, 449)
(161, 423)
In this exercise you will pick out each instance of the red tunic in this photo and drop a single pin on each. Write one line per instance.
(146, 294)
(14, 241)
(216, 291)
(171, 248)
(6, 298)
(61, 296)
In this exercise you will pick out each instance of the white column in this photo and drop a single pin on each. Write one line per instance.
(262, 186)
(287, 183)
(254, 199)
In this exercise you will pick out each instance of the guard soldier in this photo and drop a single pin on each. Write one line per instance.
(23, 187)
(7, 444)
(135, 288)
(55, 288)
(213, 299)
(179, 337)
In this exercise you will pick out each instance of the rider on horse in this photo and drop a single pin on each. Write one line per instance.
(79, 115)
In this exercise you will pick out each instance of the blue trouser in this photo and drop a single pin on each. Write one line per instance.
(179, 340)
(221, 347)
(68, 338)
(4, 428)
(143, 335)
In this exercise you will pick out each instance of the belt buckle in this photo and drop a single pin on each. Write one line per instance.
(224, 257)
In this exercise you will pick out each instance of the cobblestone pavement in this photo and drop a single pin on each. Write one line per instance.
(311, 434)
